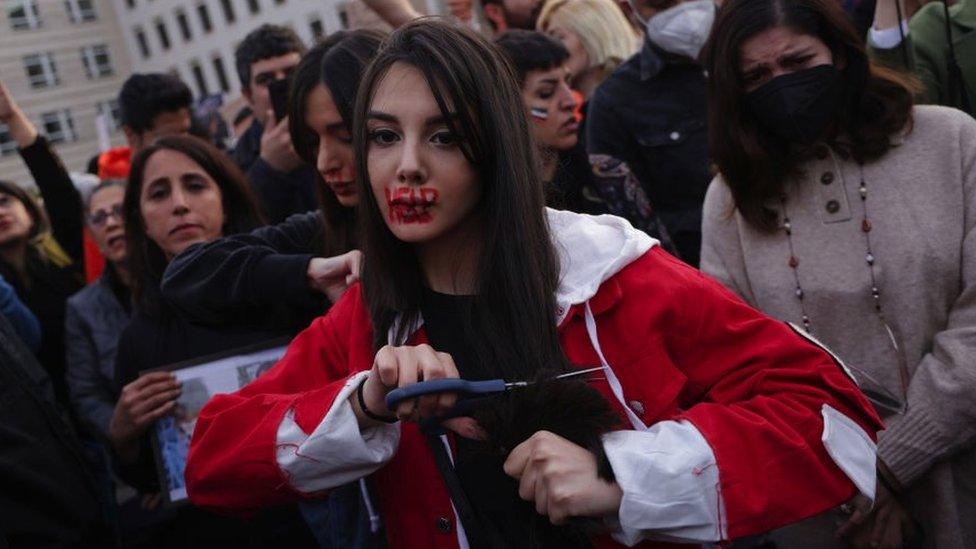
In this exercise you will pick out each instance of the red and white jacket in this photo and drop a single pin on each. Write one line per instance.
(738, 424)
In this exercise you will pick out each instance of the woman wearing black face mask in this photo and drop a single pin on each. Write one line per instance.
(844, 209)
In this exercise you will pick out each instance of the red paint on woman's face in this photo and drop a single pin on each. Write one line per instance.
(426, 188)
(410, 204)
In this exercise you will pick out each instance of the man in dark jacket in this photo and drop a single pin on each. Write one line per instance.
(648, 120)
(48, 496)
(283, 183)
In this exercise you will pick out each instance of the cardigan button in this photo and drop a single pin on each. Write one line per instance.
(833, 206)
(822, 152)
(444, 525)
(637, 406)
(827, 178)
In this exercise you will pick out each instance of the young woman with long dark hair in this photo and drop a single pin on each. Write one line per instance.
(466, 274)
(843, 208)
(299, 264)
(296, 269)
(181, 191)
(41, 247)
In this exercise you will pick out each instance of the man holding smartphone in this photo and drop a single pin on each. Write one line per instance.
(283, 183)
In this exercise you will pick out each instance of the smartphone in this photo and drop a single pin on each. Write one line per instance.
(278, 91)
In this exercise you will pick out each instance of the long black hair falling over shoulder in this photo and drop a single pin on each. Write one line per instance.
(514, 311)
(337, 63)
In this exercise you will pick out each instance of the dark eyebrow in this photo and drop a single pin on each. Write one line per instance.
(431, 121)
(158, 181)
(549, 81)
(802, 50)
(441, 119)
(191, 176)
(382, 116)
(338, 126)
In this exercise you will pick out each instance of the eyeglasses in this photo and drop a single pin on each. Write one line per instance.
(100, 217)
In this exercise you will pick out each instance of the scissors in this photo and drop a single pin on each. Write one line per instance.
(468, 391)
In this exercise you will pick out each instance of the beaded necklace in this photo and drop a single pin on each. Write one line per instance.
(869, 259)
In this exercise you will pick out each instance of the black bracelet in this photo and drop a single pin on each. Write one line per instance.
(371, 415)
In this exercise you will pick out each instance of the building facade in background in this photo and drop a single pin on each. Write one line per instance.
(64, 62)
(195, 39)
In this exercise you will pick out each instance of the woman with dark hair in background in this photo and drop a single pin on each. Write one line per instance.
(300, 265)
(33, 243)
(844, 209)
(182, 191)
(461, 256)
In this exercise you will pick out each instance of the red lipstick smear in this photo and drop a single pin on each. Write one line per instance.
(410, 204)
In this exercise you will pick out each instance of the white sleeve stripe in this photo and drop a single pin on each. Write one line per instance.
(851, 449)
(670, 482)
(336, 452)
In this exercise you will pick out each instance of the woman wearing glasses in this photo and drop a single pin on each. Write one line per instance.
(96, 316)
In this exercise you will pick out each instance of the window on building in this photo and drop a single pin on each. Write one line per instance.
(344, 16)
(228, 8)
(253, 6)
(96, 61)
(7, 143)
(80, 11)
(130, 4)
(221, 71)
(23, 14)
(41, 71)
(204, 14)
(198, 77)
(163, 33)
(58, 126)
(279, 1)
(184, 24)
(315, 25)
(110, 110)
(143, 43)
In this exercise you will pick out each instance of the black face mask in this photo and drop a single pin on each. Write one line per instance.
(798, 106)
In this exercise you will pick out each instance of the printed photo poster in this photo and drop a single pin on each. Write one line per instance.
(202, 379)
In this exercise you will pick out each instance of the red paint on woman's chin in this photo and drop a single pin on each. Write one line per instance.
(409, 214)
(408, 205)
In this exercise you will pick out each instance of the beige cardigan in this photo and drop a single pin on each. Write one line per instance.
(922, 205)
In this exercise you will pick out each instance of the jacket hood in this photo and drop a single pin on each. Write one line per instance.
(591, 249)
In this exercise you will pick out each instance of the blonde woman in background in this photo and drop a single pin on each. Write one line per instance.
(596, 33)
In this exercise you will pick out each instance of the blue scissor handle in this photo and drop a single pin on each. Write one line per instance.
(449, 385)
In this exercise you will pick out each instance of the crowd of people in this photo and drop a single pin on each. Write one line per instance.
(721, 254)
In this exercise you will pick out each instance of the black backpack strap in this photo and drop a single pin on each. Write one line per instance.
(479, 534)
(956, 90)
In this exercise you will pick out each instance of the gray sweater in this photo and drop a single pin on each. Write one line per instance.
(922, 206)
